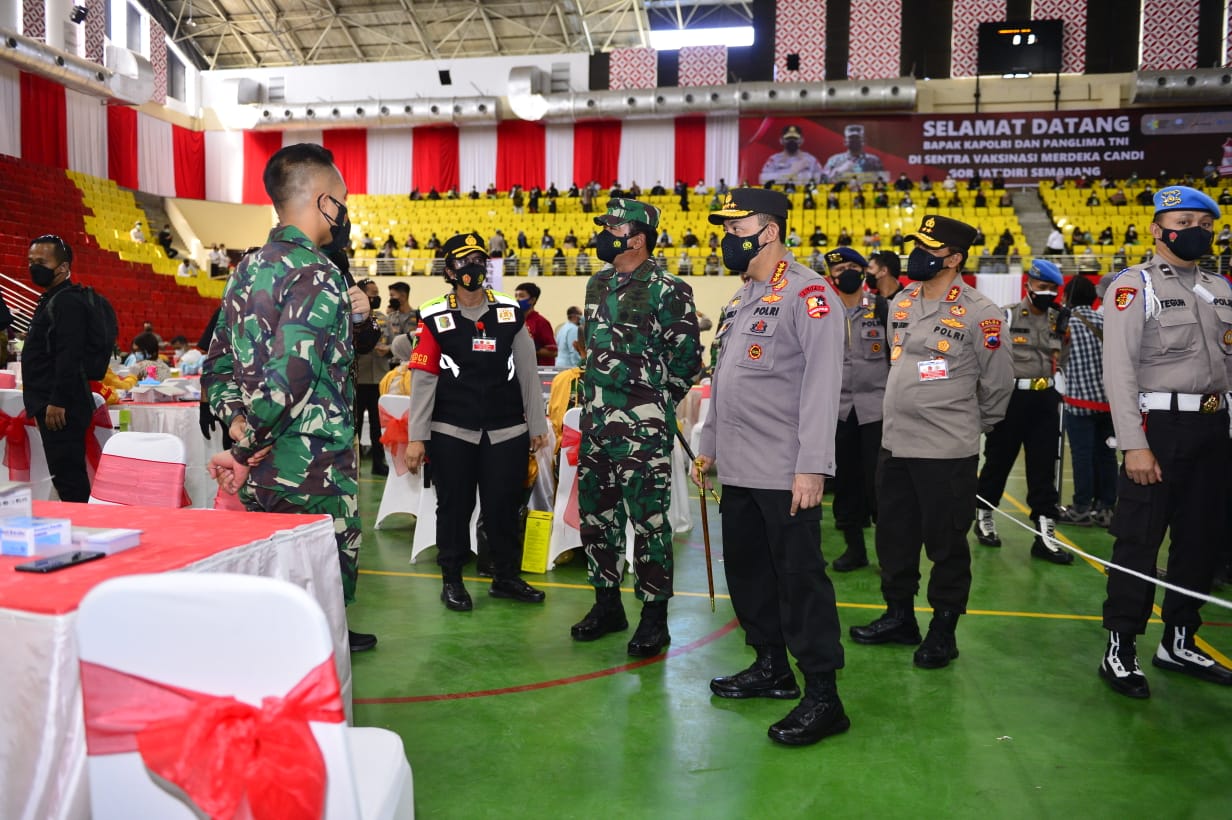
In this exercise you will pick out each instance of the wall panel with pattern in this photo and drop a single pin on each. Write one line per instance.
(703, 65)
(876, 39)
(34, 19)
(158, 60)
(95, 28)
(800, 28)
(633, 68)
(1169, 35)
(968, 14)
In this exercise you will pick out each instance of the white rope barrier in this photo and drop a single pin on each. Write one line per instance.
(1210, 599)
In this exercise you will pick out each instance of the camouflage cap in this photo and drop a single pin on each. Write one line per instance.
(620, 211)
(463, 244)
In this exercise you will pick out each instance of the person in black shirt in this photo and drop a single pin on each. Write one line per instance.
(56, 392)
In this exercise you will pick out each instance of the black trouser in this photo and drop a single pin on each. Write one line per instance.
(1192, 450)
(1031, 423)
(777, 577)
(65, 450)
(856, 447)
(933, 503)
(367, 397)
(499, 473)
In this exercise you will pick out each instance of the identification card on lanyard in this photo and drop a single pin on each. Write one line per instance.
(933, 370)
(482, 343)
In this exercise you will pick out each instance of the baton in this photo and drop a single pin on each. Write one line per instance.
(701, 497)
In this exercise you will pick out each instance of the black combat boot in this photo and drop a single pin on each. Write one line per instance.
(606, 616)
(1178, 652)
(818, 714)
(856, 555)
(651, 635)
(769, 677)
(940, 646)
(1120, 666)
(897, 625)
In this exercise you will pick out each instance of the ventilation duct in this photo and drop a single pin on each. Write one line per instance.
(132, 76)
(1201, 85)
(69, 70)
(376, 114)
(529, 102)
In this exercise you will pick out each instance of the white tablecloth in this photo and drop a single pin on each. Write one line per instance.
(42, 743)
(180, 419)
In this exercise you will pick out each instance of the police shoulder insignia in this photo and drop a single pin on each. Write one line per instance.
(805, 291)
(816, 306)
(771, 297)
(1124, 297)
(992, 333)
(954, 293)
(444, 322)
(958, 310)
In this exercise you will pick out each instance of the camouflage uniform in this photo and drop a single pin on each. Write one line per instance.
(642, 351)
(280, 358)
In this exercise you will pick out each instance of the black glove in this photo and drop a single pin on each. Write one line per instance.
(207, 420)
(1062, 322)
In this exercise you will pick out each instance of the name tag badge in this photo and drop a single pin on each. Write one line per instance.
(483, 344)
(933, 370)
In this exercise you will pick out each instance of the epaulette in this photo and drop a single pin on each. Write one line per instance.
(503, 298)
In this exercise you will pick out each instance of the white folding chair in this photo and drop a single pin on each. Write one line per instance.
(143, 634)
(11, 404)
(145, 469)
(402, 489)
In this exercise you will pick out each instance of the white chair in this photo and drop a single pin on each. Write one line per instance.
(402, 489)
(11, 404)
(193, 631)
(145, 469)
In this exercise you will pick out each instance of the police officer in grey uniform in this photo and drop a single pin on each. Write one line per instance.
(793, 163)
(950, 379)
(774, 407)
(1167, 354)
(1035, 327)
(866, 365)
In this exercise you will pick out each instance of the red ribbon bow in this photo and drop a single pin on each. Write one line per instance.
(570, 444)
(17, 441)
(101, 420)
(219, 750)
(395, 435)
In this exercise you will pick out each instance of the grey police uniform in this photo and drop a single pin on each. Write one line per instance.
(774, 407)
(783, 167)
(1167, 346)
(1031, 420)
(950, 379)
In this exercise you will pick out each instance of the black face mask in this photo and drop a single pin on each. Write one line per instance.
(1189, 244)
(871, 281)
(42, 275)
(395, 303)
(339, 226)
(374, 302)
(738, 251)
(608, 247)
(922, 265)
(471, 277)
(849, 281)
(1043, 300)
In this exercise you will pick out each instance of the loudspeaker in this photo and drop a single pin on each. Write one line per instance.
(793, 62)
(445, 78)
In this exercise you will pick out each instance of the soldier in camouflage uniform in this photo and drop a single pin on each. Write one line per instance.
(642, 354)
(277, 370)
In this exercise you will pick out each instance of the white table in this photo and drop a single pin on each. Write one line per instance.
(42, 742)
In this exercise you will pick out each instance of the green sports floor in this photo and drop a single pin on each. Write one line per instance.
(503, 715)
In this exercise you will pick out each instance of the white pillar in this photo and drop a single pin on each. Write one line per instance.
(10, 15)
(57, 18)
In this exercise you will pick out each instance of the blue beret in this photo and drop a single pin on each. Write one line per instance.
(1046, 271)
(844, 253)
(1182, 198)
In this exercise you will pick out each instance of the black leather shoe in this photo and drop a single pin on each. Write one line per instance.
(651, 636)
(517, 589)
(1120, 668)
(850, 560)
(455, 597)
(940, 646)
(604, 618)
(361, 641)
(1178, 653)
(758, 681)
(897, 625)
(818, 715)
